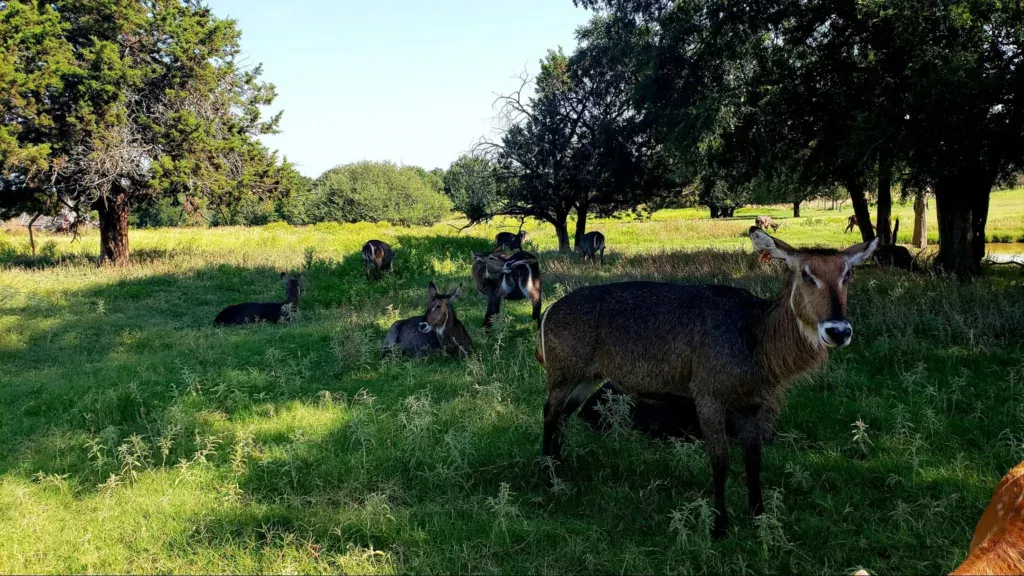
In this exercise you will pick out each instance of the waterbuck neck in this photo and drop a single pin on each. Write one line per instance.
(785, 346)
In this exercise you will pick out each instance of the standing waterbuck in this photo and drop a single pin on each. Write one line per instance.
(437, 329)
(256, 312)
(377, 256)
(507, 278)
(728, 350)
(590, 245)
(511, 241)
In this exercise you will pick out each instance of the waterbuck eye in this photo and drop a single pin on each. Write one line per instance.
(807, 277)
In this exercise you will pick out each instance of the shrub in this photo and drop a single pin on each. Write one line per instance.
(375, 191)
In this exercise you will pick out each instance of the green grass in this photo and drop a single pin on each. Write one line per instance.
(136, 437)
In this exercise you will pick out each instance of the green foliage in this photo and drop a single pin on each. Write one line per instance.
(379, 191)
(471, 183)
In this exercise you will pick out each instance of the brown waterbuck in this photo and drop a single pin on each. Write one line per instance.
(272, 312)
(998, 543)
(728, 350)
(511, 241)
(513, 277)
(591, 244)
(437, 329)
(377, 256)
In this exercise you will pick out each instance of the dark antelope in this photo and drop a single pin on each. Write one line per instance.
(377, 256)
(507, 278)
(590, 245)
(998, 543)
(895, 256)
(437, 329)
(510, 240)
(728, 350)
(273, 312)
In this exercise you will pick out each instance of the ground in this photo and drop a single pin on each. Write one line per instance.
(135, 436)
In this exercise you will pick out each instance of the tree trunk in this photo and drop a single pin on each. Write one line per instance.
(860, 209)
(31, 236)
(920, 220)
(113, 210)
(562, 231)
(796, 209)
(715, 213)
(884, 199)
(581, 223)
(728, 211)
(956, 236)
(979, 219)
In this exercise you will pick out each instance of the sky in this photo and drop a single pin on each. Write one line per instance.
(410, 81)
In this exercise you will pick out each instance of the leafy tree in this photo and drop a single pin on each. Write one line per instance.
(122, 102)
(471, 183)
(377, 191)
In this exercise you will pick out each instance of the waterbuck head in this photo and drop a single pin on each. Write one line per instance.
(439, 309)
(493, 262)
(818, 286)
(292, 287)
(523, 237)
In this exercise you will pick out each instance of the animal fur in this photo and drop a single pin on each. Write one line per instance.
(377, 258)
(513, 277)
(510, 241)
(998, 544)
(436, 329)
(272, 312)
(592, 244)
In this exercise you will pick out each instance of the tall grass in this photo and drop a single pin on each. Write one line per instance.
(137, 437)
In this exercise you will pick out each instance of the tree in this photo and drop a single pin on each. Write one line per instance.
(378, 191)
(142, 100)
(471, 183)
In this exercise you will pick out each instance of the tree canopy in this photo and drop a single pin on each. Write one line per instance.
(379, 191)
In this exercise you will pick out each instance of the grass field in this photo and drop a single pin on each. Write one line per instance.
(136, 437)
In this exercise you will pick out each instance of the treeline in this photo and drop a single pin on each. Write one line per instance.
(728, 103)
(358, 192)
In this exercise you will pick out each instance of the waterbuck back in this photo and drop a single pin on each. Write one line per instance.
(591, 244)
(510, 241)
(998, 543)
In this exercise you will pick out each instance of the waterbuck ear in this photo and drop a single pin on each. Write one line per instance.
(283, 274)
(431, 290)
(457, 293)
(774, 247)
(860, 253)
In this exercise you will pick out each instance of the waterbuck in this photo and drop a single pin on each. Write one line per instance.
(437, 329)
(511, 241)
(507, 278)
(766, 222)
(377, 256)
(893, 256)
(998, 543)
(728, 350)
(590, 245)
(273, 312)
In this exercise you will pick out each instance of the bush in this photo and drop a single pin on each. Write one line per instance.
(375, 191)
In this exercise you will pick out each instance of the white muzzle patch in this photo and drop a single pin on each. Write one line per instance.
(835, 334)
(425, 328)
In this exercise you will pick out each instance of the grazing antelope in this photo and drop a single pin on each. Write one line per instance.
(507, 278)
(894, 256)
(273, 312)
(590, 245)
(511, 241)
(766, 222)
(377, 256)
(998, 543)
(730, 351)
(437, 329)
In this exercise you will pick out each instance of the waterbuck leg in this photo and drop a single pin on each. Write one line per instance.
(712, 418)
(754, 427)
(493, 307)
(602, 256)
(554, 423)
(535, 298)
(752, 466)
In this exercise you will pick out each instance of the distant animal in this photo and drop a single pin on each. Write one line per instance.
(893, 256)
(502, 277)
(590, 245)
(998, 543)
(659, 416)
(272, 312)
(851, 223)
(766, 222)
(377, 256)
(437, 329)
(730, 351)
(510, 240)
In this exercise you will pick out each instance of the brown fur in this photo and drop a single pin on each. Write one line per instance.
(998, 544)
(377, 256)
(892, 256)
(503, 277)
(766, 222)
(511, 241)
(592, 245)
(438, 328)
(728, 350)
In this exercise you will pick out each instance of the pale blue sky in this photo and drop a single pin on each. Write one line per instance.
(410, 81)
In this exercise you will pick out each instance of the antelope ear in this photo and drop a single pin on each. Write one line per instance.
(457, 293)
(431, 290)
(283, 274)
(774, 247)
(860, 253)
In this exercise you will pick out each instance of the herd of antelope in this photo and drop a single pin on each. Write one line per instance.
(708, 362)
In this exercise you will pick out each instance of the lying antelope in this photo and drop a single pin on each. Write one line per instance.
(730, 351)
(272, 312)
(377, 256)
(437, 329)
(507, 278)
(590, 245)
(998, 544)
(510, 240)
